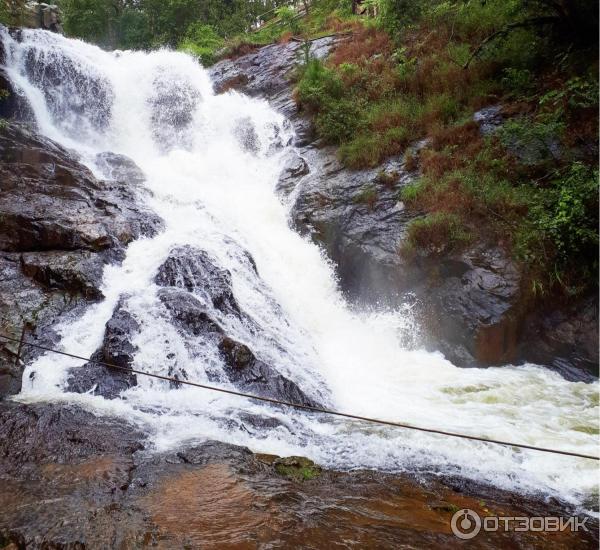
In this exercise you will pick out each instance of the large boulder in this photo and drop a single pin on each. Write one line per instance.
(193, 270)
(196, 293)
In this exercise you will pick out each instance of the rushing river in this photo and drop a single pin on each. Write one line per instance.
(211, 163)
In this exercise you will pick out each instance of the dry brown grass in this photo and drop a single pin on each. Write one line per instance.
(364, 45)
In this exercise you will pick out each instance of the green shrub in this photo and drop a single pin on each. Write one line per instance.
(203, 42)
(289, 19)
(362, 151)
(319, 86)
(339, 121)
(569, 215)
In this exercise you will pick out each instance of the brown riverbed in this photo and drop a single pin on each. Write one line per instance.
(71, 480)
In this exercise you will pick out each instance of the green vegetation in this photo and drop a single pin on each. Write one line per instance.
(421, 69)
(203, 42)
(437, 234)
(196, 26)
(297, 468)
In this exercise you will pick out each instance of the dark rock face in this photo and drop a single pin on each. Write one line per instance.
(566, 339)
(77, 271)
(70, 479)
(474, 308)
(188, 313)
(12, 104)
(59, 227)
(194, 288)
(117, 349)
(192, 269)
(257, 378)
(358, 218)
(50, 201)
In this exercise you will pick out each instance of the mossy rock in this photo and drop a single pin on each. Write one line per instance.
(297, 468)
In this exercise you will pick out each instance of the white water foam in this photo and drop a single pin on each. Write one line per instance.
(212, 163)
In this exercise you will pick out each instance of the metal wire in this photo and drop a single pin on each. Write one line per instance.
(304, 407)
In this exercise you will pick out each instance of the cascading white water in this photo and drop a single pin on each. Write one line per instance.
(211, 163)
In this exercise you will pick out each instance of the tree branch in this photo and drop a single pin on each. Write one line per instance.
(534, 21)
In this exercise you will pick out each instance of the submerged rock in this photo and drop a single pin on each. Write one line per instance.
(61, 466)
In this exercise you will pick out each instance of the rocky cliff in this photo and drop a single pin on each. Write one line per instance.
(473, 306)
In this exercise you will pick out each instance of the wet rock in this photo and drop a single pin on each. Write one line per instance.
(13, 104)
(119, 168)
(117, 349)
(359, 220)
(188, 313)
(25, 302)
(59, 227)
(50, 201)
(474, 309)
(120, 330)
(64, 466)
(99, 379)
(79, 271)
(294, 168)
(253, 376)
(71, 479)
(39, 433)
(212, 451)
(192, 269)
(566, 338)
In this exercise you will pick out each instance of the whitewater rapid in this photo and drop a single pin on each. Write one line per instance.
(211, 163)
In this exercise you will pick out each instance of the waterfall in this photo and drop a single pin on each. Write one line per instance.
(211, 163)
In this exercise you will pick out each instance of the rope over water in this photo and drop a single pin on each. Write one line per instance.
(331, 412)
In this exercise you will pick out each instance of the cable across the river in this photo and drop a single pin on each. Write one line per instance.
(21, 343)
